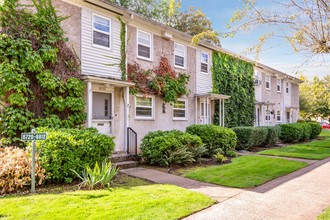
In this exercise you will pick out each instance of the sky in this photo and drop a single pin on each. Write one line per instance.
(276, 53)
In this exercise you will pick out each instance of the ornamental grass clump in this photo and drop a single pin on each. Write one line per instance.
(15, 172)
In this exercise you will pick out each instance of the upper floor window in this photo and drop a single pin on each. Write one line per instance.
(204, 62)
(101, 31)
(144, 107)
(267, 81)
(179, 55)
(287, 87)
(144, 44)
(279, 85)
(179, 109)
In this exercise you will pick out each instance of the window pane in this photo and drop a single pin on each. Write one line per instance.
(179, 50)
(179, 61)
(102, 27)
(142, 111)
(101, 20)
(179, 113)
(101, 39)
(204, 68)
(143, 51)
(205, 58)
(143, 101)
(144, 38)
(180, 104)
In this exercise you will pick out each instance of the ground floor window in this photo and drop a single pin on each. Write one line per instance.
(144, 107)
(179, 110)
(279, 116)
(267, 116)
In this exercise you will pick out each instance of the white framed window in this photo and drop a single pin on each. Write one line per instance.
(144, 107)
(180, 110)
(267, 116)
(144, 45)
(278, 116)
(279, 85)
(101, 31)
(179, 55)
(287, 85)
(267, 81)
(204, 62)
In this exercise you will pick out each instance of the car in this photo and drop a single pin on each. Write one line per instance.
(325, 125)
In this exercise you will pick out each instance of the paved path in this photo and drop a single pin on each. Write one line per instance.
(301, 195)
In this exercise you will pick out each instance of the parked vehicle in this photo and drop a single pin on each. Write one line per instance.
(325, 125)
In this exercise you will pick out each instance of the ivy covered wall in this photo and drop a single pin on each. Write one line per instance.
(234, 77)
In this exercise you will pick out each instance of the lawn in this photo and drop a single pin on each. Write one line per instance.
(316, 150)
(325, 215)
(245, 171)
(139, 202)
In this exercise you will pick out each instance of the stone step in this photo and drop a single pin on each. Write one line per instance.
(120, 157)
(126, 164)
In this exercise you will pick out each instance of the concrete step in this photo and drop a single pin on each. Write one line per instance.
(120, 157)
(126, 164)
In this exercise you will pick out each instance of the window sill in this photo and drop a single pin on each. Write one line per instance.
(180, 119)
(144, 119)
(101, 47)
(180, 67)
(144, 59)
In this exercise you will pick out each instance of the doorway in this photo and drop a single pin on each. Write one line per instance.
(102, 117)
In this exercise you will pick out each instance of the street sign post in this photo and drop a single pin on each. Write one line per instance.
(33, 136)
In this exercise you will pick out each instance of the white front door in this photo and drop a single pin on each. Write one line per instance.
(102, 112)
(204, 111)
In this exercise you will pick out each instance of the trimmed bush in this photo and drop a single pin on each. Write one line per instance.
(214, 137)
(316, 129)
(248, 137)
(15, 170)
(272, 136)
(295, 132)
(65, 150)
(171, 147)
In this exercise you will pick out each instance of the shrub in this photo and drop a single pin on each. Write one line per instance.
(15, 169)
(220, 157)
(171, 147)
(100, 176)
(214, 137)
(316, 129)
(248, 137)
(273, 135)
(295, 132)
(65, 150)
(231, 153)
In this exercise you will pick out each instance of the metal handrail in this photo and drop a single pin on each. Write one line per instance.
(131, 142)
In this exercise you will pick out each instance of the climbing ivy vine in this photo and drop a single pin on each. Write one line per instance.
(162, 81)
(122, 64)
(39, 74)
(234, 77)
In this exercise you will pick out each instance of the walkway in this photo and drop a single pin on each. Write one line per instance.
(301, 195)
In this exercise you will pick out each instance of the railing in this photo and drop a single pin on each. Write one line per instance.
(131, 142)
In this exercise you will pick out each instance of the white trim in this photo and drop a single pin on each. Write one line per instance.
(269, 81)
(184, 56)
(150, 46)
(279, 121)
(279, 85)
(185, 110)
(287, 87)
(152, 117)
(103, 32)
(207, 63)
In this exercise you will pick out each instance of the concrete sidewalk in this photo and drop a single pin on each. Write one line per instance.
(301, 195)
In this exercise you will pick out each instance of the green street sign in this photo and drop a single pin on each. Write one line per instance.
(33, 136)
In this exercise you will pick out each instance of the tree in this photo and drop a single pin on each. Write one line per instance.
(305, 24)
(315, 97)
(193, 21)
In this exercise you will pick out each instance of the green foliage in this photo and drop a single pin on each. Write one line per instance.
(171, 147)
(39, 74)
(214, 137)
(295, 132)
(273, 135)
(234, 77)
(248, 137)
(72, 149)
(100, 176)
(220, 157)
(316, 129)
(231, 153)
(162, 81)
(122, 64)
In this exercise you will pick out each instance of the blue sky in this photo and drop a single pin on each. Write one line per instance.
(276, 53)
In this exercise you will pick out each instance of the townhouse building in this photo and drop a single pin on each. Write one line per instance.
(94, 31)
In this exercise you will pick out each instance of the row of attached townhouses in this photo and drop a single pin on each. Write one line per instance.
(94, 31)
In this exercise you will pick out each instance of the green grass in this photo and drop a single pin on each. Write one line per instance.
(140, 202)
(245, 171)
(315, 150)
(325, 215)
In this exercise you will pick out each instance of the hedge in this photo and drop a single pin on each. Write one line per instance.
(248, 137)
(295, 132)
(166, 148)
(316, 129)
(65, 150)
(272, 136)
(214, 137)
